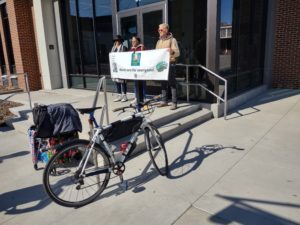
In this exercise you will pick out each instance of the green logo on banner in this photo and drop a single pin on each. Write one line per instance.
(136, 59)
(161, 66)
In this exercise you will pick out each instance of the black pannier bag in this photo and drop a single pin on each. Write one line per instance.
(54, 120)
(121, 129)
(41, 119)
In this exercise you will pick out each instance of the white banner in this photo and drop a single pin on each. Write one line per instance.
(142, 65)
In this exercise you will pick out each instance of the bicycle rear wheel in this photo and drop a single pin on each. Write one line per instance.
(157, 150)
(61, 176)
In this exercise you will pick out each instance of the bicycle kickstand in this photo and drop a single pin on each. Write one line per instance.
(123, 183)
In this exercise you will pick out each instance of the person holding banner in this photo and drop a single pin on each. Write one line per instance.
(166, 40)
(139, 86)
(121, 84)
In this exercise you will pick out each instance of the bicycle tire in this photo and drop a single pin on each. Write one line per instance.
(60, 178)
(157, 150)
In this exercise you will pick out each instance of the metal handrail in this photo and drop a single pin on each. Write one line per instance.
(26, 85)
(209, 91)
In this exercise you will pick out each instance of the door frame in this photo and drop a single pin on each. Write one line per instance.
(139, 11)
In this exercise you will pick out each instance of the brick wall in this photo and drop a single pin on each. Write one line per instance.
(286, 64)
(23, 42)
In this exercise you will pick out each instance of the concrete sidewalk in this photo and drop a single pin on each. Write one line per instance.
(244, 170)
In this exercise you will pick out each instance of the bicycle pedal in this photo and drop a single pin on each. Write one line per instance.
(156, 148)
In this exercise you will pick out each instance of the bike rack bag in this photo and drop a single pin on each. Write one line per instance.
(54, 120)
(120, 129)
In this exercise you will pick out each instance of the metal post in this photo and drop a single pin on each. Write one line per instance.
(102, 83)
(27, 89)
(97, 93)
(105, 100)
(225, 100)
(187, 85)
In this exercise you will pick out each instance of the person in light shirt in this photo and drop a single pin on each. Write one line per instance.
(166, 40)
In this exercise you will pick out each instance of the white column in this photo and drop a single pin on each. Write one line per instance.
(61, 47)
(47, 44)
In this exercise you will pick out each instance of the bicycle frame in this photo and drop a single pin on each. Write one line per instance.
(99, 139)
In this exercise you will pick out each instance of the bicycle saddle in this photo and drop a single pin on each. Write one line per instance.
(88, 110)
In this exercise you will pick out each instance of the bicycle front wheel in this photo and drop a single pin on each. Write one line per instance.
(62, 180)
(157, 150)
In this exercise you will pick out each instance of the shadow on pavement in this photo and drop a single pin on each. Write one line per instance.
(189, 161)
(13, 155)
(24, 200)
(242, 211)
(270, 96)
(5, 128)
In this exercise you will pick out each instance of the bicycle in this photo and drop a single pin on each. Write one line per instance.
(80, 170)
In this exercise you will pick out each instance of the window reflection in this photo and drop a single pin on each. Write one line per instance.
(242, 35)
(226, 36)
(129, 4)
(71, 34)
(128, 29)
(103, 33)
(88, 34)
(188, 22)
(150, 24)
(7, 35)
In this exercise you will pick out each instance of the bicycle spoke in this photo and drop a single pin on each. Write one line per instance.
(63, 183)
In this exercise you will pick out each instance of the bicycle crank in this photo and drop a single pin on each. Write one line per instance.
(119, 168)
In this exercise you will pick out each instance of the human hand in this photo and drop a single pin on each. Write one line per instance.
(171, 51)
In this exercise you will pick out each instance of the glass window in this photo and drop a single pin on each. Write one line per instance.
(249, 56)
(128, 4)
(242, 34)
(91, 82)
(71, 34)
(88, 34)
(225, 36)
(188, 24)
(128, 29)
(76, 82)
(88, 52)
(6, 29)
(2, 60)
(104, 33)
(147, 2)
(150, 25)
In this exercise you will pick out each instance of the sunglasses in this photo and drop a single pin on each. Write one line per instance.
(160, 30)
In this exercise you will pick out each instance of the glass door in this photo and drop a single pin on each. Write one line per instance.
(143, 22)
(129, 28)
(150, 22)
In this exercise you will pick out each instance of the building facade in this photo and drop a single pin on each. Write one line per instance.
(65, 43)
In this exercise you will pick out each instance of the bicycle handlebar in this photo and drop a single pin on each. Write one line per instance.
(123, 108)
